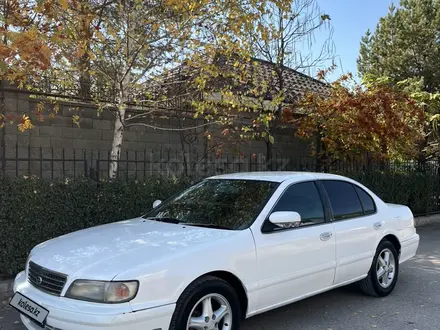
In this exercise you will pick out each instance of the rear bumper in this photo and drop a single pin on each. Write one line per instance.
(63, 318)
(409, 248)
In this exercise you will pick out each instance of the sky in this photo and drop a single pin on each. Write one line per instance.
(350, 20)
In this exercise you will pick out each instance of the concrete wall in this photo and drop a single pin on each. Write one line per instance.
(60, 138)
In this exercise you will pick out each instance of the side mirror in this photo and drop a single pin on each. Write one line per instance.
(285, 219)
(156, 203)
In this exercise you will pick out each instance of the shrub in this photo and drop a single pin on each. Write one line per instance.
(420, 191)
(33, 211)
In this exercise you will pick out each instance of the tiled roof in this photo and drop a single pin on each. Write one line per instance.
(296, 84)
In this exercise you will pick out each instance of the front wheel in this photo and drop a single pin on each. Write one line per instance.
(384, 272)
(207, 304)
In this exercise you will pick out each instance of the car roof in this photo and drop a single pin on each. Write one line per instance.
(277, 176)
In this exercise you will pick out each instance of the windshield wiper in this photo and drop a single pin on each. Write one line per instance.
(177, 221)
(165, 219)
(208, 225)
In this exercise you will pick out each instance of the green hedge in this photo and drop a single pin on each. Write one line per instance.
(418, 190)
(32, 211)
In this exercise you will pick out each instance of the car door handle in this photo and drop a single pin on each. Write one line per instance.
(378, 225)
(326, 236)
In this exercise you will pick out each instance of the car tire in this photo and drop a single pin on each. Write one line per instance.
(383, 275)
(192, 302)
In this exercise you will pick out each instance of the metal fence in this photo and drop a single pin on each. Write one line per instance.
(54, 164)
(423, 194)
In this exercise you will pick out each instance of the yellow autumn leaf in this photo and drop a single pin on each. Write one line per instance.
(64, 4)
(25, 124)
(46, 52)
(80, 52)
(100, 35)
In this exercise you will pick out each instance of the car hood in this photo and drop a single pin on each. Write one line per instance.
(104, 251)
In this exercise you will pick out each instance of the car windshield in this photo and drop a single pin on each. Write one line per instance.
(228, 204)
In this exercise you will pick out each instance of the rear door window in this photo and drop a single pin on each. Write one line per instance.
(343, 198)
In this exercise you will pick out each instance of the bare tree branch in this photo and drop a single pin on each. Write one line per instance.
(172, 129)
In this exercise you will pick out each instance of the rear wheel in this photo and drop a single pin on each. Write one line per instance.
(209, 303)
(384, 271)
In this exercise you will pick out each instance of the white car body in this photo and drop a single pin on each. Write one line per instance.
(272, 269)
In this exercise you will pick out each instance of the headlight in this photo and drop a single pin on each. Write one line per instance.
(103, 292)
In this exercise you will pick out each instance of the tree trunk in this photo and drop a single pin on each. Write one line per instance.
(318, 151)
(183, 148)
(85, 83)
(118, 135)
(384, 150)
(124, 88)
(85, 30)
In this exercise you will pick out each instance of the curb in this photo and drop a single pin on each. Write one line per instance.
(427, 220)
(6, 289)
(7, 285)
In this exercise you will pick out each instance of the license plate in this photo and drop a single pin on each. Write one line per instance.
(29, 308)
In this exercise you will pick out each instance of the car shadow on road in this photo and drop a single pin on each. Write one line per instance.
(324, 306)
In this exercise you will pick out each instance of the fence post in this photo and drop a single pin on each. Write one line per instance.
(126, 165)
(85, 164)
(145, 163)
(437, 204)
(51, 164)
(160, 162)
(176, 168)
(41, 162)
(3, 148)
(74, 163)
(118, 160)
(168, 163)
(97, 166)
(16, 159)
(135, 165)
(151, 162)
(29, 160)
(108, 164)
(196, 170)
(64, 164)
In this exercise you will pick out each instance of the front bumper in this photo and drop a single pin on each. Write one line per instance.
(68, 314)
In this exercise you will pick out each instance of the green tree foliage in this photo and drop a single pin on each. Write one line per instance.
(405, 44)
(404, 50)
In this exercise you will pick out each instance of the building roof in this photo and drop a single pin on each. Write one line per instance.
(296, 84)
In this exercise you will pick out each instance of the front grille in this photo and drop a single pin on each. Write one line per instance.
(45, 279)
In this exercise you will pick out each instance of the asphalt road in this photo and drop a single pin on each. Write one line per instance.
(414, 305)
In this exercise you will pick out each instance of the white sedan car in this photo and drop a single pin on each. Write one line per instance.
(227, 248)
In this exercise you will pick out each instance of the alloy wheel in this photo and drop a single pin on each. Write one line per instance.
(212, 312)
(385, 268)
